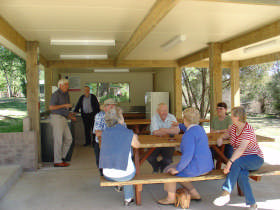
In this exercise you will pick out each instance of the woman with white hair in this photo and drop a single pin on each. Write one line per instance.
(116, 152)
(195, 160)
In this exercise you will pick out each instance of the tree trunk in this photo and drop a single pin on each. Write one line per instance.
(8, 85)
(185, 97)
(187, 88)
(202, 103)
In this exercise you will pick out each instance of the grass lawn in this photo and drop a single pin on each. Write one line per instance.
(12, 112)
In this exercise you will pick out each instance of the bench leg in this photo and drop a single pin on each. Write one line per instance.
(138, 190)
(240, 193)
(255, 178)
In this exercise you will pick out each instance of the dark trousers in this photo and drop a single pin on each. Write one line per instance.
(97, 153)
(88, 120)
(166, 153)
(227, 152)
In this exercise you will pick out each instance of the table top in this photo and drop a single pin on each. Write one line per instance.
(151, 141)
(137, 121)
(148, 121)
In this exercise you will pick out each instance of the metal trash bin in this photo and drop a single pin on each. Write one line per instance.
(47, 145)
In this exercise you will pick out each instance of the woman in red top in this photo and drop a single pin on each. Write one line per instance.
(247, 157)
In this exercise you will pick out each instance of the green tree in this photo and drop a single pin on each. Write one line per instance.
(195, 86)
(13, 72)
(274, 85)
(254, 85)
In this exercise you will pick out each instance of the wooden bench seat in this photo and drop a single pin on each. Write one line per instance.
(266, 170)
(139, 180)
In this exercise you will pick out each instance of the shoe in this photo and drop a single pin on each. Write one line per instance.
(64, 160)
(165, 202)
(254, 206)
(61, 164)
(223, 199)
(196, 199)
(129, 203)
(85, 145)
(118, 188)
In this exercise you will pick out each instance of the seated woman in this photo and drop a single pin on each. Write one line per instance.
(195, 160)
(116, 152)
(247, 156)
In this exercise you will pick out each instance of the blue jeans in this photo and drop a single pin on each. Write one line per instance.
(127, 189)
(239, 171)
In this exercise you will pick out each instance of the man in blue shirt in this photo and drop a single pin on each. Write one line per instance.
(161, 124)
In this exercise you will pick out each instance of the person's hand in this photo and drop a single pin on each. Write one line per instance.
(227, 168)
(67, 106)
(174, 124)
(220, 141)
(172, 171)
(73, 118)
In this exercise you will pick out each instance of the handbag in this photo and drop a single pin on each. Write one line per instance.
(183, 198)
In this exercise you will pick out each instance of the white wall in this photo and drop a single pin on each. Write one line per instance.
(140, 83)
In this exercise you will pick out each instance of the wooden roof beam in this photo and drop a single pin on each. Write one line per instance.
(197, 56)
(254, 2)
(159, 10)
(260, 59)
(10, 34)
(111, 64)
(261, 34)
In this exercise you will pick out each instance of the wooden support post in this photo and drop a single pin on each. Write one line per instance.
(32, 75)
(178, 92)
(48, 87)
(235, 84)
(215, 68)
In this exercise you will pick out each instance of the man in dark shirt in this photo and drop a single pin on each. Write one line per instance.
(59, 106)
(89, 106)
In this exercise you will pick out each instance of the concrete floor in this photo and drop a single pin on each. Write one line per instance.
(77, 187)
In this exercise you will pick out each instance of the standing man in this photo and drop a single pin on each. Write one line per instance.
(89, 106)
(100, 126)
(161, 124)
(59, 106)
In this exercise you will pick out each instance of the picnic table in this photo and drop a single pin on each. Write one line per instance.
(139, 126)
(151, 142)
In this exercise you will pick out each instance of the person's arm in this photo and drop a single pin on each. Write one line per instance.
(226, 135)
(166, 131)
(55, 107)
(188, 148)
(95, 104)
(237, 154)
(78, 105)
(54, 101)
(135, 143)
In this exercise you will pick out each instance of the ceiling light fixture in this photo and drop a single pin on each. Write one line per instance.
(84, 42)
(101, 57)
(174, 41)
(262, 46)
(110, 70)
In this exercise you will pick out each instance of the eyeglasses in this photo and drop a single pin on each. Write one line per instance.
(219, 108)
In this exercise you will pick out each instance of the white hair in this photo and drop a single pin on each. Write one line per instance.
(62, 82)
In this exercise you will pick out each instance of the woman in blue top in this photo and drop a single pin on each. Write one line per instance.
(116, 153)
(196, 157)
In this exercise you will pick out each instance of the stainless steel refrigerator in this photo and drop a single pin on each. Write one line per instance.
(152, 99)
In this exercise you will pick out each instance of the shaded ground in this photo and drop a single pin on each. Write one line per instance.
(77, 188)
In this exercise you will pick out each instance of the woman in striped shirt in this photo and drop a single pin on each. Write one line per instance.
(247, 157)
